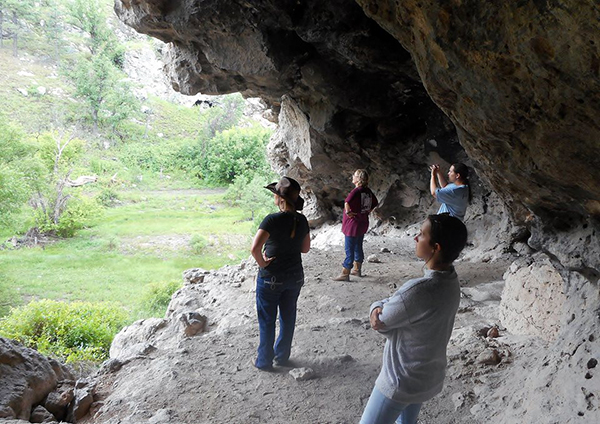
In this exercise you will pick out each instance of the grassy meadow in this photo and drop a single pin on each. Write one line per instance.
(146, 238)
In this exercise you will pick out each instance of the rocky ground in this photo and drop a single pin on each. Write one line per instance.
(159, 374)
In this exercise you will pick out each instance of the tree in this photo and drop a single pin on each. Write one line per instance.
(52, 20)
(97, 76)
(14, 184)
(55, 210)
(18, 12)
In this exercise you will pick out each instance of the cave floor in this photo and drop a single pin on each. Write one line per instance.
(210, 378)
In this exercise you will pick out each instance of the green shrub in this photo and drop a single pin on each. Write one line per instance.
(107, 197)
(74, 331)
(237, 151)
(157, 297)
(198, 244)
(80, 212)
(104, 166)
(251, 196)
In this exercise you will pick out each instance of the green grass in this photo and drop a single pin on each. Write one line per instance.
(109, 262)
(35, 113)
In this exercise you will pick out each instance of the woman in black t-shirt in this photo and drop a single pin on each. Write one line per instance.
(284, 236)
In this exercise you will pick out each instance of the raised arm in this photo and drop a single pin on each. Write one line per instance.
(432, 181)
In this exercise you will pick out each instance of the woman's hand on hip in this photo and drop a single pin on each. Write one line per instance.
(267, 260)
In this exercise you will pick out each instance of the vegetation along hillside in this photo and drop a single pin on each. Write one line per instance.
(110, 184)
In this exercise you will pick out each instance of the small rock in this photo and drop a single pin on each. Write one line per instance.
(41, 415)
(193, 323)
(80, 405)
(592, 363)
(162, 416)
(392, 285)
(23, 91)
(302, 374)
(41, 90)
(194, 275)
(374, 259)
(58, 400)
(459, 400)
(483, 331)
(493, 333)
(112, 365)
(340, 308)
(489, 357)
(384, 250)
(477, 409)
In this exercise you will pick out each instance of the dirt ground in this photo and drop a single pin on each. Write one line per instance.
(210, 378)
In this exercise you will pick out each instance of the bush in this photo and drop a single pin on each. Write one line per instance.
(79, 212)
(250, 195)
(78, 331)
(198, 244)
(107, 197)
(156, 299)
(235, 152)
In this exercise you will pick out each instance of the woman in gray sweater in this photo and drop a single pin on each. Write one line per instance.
(417, 322)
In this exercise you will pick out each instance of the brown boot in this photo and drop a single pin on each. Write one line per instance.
(344, 276)
(357, 269)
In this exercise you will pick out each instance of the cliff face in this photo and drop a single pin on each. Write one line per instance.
(513, 89)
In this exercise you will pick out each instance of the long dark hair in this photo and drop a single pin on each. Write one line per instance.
(463, 170)
(293, 212)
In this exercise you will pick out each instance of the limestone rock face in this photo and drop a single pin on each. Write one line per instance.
(533, 298)
(521, 83)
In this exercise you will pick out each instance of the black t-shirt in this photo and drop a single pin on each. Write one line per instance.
(286, 250)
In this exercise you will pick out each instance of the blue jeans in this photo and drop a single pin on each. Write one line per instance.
(381, 410)
(354, 250)
(271, 295)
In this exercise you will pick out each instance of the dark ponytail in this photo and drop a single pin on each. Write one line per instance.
(463, 170)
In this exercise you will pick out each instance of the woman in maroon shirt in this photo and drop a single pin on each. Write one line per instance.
(355, 223)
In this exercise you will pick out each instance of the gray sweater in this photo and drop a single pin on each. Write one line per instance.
(418, 322)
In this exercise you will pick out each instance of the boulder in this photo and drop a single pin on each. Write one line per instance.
(26, 378)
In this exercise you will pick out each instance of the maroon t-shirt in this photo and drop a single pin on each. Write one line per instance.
(361, 201)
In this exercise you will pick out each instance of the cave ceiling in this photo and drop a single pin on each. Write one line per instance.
(513, 88)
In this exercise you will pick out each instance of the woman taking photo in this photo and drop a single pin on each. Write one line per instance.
(277, 247)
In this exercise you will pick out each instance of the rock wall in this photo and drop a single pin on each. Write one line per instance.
(532, 297)
(513, 89)
(38, 389)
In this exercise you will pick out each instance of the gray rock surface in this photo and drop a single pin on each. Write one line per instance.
(26, 378)
(359, 84)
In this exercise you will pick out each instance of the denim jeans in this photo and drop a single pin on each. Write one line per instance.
(381, 410)
(354, 250)
(271, 295)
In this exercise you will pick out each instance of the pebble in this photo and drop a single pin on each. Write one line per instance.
(489, 357)
(302, 374)
(493, 333)
(373, 259)
(459, 400)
